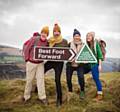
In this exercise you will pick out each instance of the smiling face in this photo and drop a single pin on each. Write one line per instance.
(89, 37)
(77, 37)
(56, 33)
(43, 36)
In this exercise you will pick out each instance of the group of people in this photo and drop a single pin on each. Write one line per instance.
(37, 69)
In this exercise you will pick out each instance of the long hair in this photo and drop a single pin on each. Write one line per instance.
(91, 43)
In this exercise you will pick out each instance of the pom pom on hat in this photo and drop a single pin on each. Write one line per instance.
(76, 32)
(56, 28)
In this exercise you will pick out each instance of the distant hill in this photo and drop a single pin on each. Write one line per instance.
(111, 64)
(7, 50)
(10, 54)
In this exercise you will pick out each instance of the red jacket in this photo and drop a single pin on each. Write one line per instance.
(29, 50)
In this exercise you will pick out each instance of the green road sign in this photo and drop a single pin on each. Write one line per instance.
(85, 55)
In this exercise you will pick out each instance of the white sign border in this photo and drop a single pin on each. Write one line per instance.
(76, 60)
(71, 50)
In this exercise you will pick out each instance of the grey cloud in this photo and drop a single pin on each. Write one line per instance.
(20, 18)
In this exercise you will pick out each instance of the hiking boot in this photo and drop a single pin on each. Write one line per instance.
(69, 96)
(99, 97)
(43, 101)
(24, 100)
(82, 95)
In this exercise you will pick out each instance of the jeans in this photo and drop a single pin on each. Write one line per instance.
(69, 73)
(95, 75)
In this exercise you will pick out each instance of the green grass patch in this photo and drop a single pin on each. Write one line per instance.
(11, 93)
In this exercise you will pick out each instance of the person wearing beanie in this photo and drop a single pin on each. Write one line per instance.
(56, 28)
(35, 68)
(57, 38)
(76, 32)
(76, 44)
(95, 68)
(56, 41)
(45, 30)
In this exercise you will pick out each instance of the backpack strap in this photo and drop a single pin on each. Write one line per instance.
(36, 41)
(95, 43)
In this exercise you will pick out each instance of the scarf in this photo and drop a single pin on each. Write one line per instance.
(76, 46)
(54, 40)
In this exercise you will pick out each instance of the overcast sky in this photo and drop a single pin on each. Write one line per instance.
(20, 18)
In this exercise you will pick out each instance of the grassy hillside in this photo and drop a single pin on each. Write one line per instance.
(7, 50)
(11, 92)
